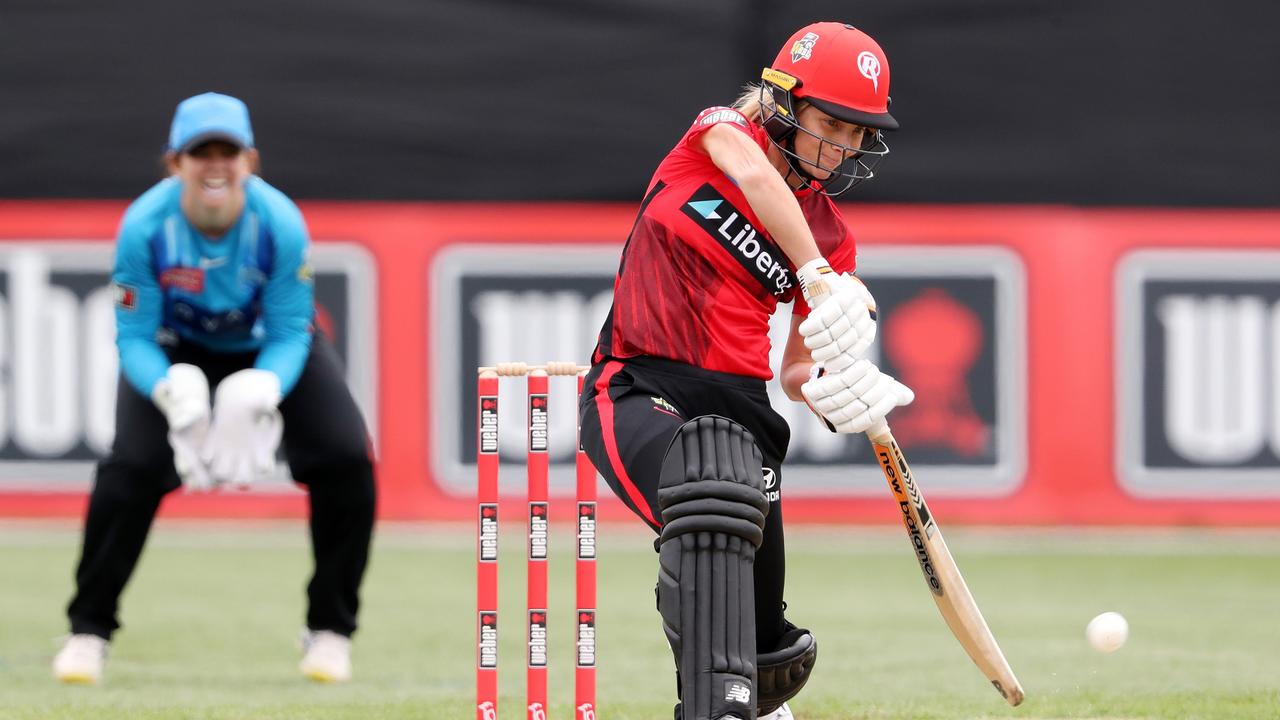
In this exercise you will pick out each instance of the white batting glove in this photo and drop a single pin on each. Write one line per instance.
(247, 428)
(856, 398)
(840, 327)
(183, 396)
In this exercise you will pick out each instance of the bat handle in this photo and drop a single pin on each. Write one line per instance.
(879, 433)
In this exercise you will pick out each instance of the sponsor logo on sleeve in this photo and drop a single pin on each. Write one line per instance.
(306, 271)
(753, 250)
(720, 115)
(125, 296)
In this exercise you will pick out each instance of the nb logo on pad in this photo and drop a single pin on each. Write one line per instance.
(738, 693)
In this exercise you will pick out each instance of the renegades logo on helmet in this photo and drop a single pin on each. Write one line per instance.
(869, 66)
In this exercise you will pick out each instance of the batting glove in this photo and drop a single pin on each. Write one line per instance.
(247, 428)
(840, 326)
(183, 397)
(856, 398)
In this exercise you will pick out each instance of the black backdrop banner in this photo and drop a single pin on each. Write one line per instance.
(1086, 102)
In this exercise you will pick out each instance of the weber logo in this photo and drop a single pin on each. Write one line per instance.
(488, 640)
(538, 423)
(586, 638)
(537, 531)
(753, 250)
(586, 531)
(537, 638)
(488, 532)
(488, 425)
(57, 307)
(1198, 373)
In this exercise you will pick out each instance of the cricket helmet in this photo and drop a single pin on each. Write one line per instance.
(841, 71)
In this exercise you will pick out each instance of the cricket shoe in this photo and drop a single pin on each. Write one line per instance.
(782, 713)
(326, 656)
(81, 660)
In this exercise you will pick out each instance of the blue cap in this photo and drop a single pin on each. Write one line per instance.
(210, 116)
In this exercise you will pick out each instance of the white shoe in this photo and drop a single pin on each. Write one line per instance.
(81, 660)
(327, 657)
(782, 713)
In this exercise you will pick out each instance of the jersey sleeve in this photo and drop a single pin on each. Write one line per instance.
(713, 116)
(139, 307)
(288, 301)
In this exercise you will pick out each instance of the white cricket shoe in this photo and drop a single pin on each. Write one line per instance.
(327, 656)
(81, 660)
(782, 713)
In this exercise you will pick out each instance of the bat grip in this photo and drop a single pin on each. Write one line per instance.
(879, 433)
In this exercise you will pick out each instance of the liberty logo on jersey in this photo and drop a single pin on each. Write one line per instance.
(753, 250)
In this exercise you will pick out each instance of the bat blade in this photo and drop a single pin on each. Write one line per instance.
(941, 573)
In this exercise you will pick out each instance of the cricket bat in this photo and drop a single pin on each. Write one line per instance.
(940, 571)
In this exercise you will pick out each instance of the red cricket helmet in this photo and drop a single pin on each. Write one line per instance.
(840, 70)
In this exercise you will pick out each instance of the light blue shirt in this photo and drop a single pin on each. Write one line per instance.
(249, 290)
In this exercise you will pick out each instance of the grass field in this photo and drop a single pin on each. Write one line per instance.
(212, 616)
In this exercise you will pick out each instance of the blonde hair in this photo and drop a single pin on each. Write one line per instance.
(756, 102)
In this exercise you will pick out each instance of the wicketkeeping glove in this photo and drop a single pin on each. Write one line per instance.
(840, 326)
(246, 429)
(856, 398)
(183, 396)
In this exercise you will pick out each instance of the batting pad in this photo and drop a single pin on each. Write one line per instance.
(713, 508)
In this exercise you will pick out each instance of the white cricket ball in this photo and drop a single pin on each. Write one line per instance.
(1107, 632)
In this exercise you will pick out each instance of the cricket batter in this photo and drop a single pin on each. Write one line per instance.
(213, 289)
(737, 218)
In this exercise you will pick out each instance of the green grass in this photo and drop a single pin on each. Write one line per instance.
(213, 612)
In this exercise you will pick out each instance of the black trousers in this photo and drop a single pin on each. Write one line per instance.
(630, 410)
(326, 444)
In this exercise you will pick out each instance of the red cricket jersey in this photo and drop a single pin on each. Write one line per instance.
(699, 276)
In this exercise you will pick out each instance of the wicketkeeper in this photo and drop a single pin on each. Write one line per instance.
(220, 366)
(739, 217)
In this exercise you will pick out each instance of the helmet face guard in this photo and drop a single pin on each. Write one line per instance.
(842, 72)
(780, 119)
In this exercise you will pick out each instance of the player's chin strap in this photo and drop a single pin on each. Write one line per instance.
(782, 673)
